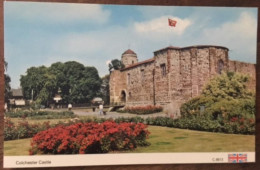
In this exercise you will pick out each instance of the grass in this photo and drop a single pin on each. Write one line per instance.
(17, 147)
(52, 121)
(164, 139)
(40, 121)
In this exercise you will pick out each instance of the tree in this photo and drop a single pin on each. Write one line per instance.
(115, 65)
(7, 84)
(224, 96)
(81, 83)
(77, 83)
(104, 90)
(33, 82)
(228, 86)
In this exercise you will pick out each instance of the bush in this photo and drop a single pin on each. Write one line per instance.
(203, 123)
(239, 125)
(22, 130)
(129, 119)
(25, 130)
(142, 109)
(226, 109)
(90, 138)
(34, 114)
(224, 97)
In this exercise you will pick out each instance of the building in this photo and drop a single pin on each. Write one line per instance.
(17, 99)
(173, 76)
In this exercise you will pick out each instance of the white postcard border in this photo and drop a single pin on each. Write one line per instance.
(119, 159)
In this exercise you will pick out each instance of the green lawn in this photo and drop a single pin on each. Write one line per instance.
(17, 147)
(164, 139)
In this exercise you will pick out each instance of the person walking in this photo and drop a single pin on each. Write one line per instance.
(101, 109)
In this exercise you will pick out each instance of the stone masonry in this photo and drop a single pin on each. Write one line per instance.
(173, 76)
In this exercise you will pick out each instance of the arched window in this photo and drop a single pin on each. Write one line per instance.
(220, 66)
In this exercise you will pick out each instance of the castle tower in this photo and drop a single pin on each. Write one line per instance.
(129, 57)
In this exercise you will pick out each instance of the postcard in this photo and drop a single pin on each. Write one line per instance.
(93, 84)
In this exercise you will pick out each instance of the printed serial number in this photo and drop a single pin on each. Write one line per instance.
(217, 159)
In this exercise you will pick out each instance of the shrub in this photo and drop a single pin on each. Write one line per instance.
(225, 96)
(226, 109)
(22, 130)
(25, 130)
(129, 119)
(90, 138)
(239, 125)
(142, 109)
(34, 114)
(205, 123)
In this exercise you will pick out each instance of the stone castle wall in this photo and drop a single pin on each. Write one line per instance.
(139, 85)
(173, 76)
(117, 84)
(246, 68)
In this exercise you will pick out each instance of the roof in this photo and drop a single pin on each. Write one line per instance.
(139, 63)
(194, 46)
(170, 47)
(17, 92)
(129, 51)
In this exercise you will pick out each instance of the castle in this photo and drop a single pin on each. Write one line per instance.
(173, 76)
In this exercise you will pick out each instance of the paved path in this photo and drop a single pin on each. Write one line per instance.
(114, 114)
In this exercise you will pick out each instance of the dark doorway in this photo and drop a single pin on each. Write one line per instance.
(123, 96)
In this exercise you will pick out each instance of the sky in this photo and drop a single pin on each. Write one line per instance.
(44, 33)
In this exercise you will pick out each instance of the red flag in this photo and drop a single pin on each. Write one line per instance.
(172, 23)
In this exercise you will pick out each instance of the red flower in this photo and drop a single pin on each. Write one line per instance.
(89, 137)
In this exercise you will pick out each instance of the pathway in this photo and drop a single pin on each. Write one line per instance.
(114, 115)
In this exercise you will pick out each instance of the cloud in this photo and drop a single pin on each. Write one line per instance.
(92, 43)
(57, 12)
(108, 62)
(243, 27)
(236, 35)
(78, 44)
(96, 45)
(160, 26)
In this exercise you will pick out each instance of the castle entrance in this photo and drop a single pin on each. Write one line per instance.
(123, 97)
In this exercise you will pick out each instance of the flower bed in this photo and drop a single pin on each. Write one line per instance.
(90, 138)
(142, 109)
(22, 130)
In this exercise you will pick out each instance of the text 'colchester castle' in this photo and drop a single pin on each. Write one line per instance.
(173, 76)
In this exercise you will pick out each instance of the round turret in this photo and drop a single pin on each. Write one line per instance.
(129, 57)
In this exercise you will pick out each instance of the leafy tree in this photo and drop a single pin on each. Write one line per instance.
(33, 82)
(7, 83)
(77, 83)
(228, 86)
(225, 96)
(104, 90)
(115, 65)
(49, 89)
